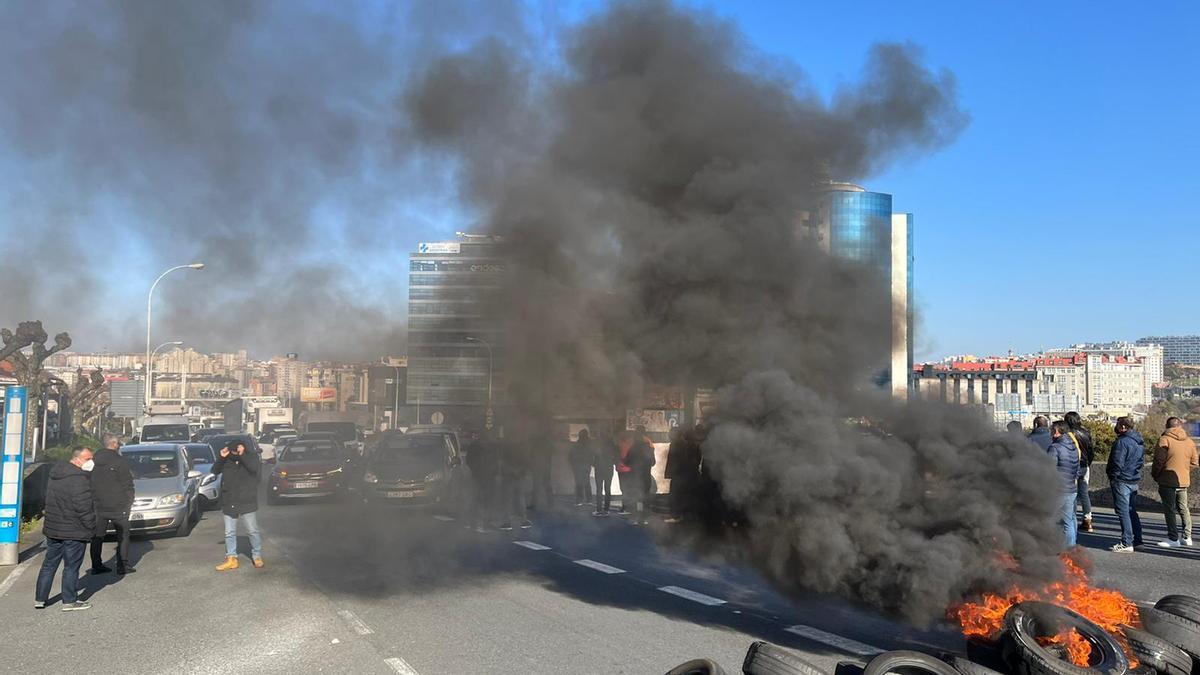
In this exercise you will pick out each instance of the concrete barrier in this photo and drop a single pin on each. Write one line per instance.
(1147, 491)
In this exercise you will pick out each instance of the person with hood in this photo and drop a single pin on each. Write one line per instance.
(1124, 471)
(640, 460)
(580, 457)
(112, 488)
(239, 468)
(683, 470)
(1174, 459)
(68, 524)
(603, 458)
(1040, 436)
(1083, 440)
(1066, 461)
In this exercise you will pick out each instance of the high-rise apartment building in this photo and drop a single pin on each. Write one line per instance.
(290, 376)
(854, 223)
(1184, 349)
(1150, 355)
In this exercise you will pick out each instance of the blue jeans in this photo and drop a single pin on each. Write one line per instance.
(70, 554)
(1085, 499)
(1066, 517)
(1123, 503)
(250, 520)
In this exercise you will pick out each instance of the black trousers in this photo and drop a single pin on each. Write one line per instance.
(603, 490)
(120, 523)
(583, 483)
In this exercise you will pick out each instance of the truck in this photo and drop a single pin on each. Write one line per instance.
(343, 425)
(271, 420)
(249, 414)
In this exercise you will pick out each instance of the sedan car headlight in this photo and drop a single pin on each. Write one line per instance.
(370, 477)
(171, 500)
(208, 480)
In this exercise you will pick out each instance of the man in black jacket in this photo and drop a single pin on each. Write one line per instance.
(1087, 455)
(69, 523)
(239, 466)
(112, 488)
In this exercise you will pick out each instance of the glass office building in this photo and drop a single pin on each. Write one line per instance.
(449, 284)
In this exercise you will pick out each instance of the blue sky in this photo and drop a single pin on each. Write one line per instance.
(1067, 209)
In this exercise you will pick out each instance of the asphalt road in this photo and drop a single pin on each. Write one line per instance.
(393, 591)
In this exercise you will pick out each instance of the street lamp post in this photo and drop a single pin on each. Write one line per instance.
(487, 413)
(149, 309)
(150, 370)
(396, 401)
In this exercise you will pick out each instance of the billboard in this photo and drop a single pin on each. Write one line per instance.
(438, 247)
(655, 421)
(318, 394)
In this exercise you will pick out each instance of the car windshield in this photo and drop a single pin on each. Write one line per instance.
(306, 451)
(147, 464)
(200, 453)
(165, 432)
(427, 447)
(343, 431)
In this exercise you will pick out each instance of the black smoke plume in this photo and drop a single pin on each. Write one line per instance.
(650, 186)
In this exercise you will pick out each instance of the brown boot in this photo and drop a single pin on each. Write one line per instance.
(1087, 524)
(231, 563)
(258, 562)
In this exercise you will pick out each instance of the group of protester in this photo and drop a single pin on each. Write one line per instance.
(94, 490)
(1070, 445)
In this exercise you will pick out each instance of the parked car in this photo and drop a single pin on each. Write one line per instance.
(202, 457)
(413, 469)
(165, 488)
(307, 469)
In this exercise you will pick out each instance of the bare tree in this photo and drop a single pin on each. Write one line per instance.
(28, 367)
(88, 399)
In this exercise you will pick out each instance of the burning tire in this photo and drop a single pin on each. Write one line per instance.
(1180, 605)
(1157, 653)
(1028, 621)
(764, 658)
(904, 662)
(1181, 632)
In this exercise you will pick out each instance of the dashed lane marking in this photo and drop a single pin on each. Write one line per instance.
(532, 546)
(355, 623)
(599, 566)
(444, 519)
(400, 666)
(692, 595)
(835, 641)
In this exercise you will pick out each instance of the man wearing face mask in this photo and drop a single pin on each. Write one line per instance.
(69, 523)
(112, 487)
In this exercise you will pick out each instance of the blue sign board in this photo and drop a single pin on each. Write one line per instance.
(12, 463)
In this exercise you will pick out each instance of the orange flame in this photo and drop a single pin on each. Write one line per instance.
(1107, 608)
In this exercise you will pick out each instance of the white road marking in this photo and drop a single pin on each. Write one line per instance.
(444, 519)
(354, 622)
(692, 595)
(599, 566)
(532, 546)
(17, 572)
(401, 666)
(835, 641)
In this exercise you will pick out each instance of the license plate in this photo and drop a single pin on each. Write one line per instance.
(135, 516)
(404, 494)
(306, 484)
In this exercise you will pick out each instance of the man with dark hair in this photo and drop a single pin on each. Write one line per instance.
(1066, 460)
(68, 524)
(238, 466)
(1041, 432)
(1124, 471)
(112, 488)
(1087, 454)
(1174, 459)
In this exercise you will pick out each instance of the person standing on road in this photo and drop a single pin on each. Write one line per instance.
(69, 524)
(641, 460)
(482, 462)
(1040, 436)
(239, 467)
(514, 472)
(1087, 454)
(580, 456)
(112, 488)
(625, 470)
(1066, 460)
(1124, 471)
(1174, 459)
(603, 457)
(683, 470)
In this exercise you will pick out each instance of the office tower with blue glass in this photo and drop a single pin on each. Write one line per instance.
(854, 223)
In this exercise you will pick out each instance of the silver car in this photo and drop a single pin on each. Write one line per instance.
(202, 458)
(165, 488)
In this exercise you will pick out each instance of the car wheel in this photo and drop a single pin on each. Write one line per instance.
(1180, 605)
(1181, 632)
(904, 662)
(1028, 621)
(764, 658)
(1156, 652)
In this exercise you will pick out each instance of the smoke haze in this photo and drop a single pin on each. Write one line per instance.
(651, 190)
